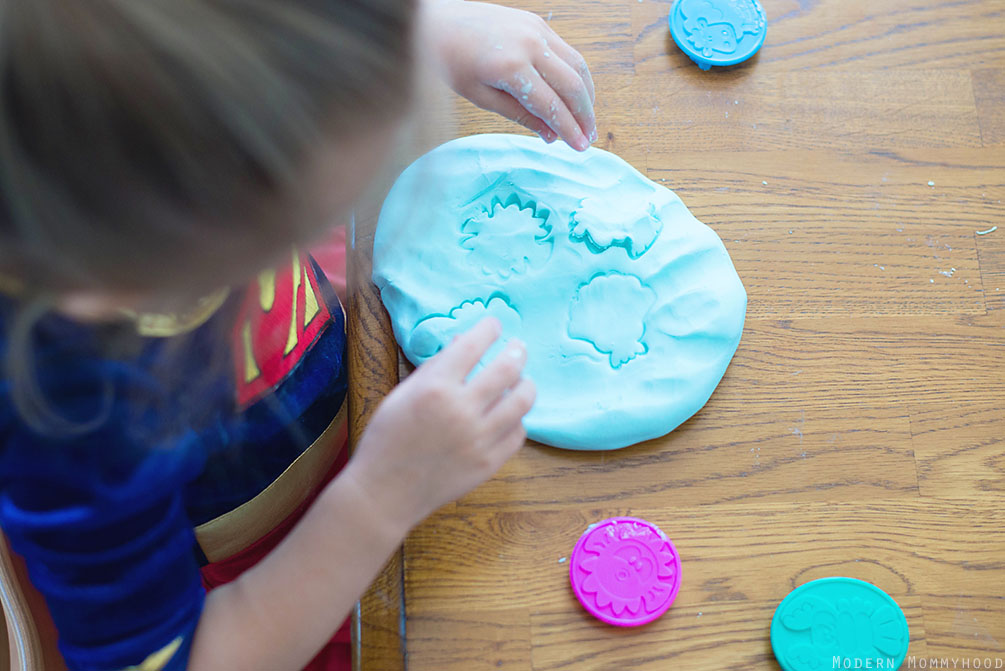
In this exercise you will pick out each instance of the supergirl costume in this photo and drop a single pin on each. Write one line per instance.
(194, 455)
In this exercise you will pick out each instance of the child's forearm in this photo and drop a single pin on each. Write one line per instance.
(281, 612)
(437, 435)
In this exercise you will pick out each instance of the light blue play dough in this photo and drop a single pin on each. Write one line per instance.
(630, 307)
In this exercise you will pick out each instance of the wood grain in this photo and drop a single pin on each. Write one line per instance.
(852, 36)
(991, 254)
(860, 429)
(989, 95)
(378, 643)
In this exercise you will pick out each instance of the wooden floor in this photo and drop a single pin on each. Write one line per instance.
(860, 429)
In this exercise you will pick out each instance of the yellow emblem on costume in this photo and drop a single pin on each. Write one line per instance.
(154, 325)
(158, 660)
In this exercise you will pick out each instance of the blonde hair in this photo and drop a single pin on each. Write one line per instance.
(159, 145)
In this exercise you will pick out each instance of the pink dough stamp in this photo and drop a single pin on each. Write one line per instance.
(625, 571)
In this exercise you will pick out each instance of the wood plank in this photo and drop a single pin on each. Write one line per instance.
(989, 96)
(766, 455)
(864, 235)
(775, 111)
(965, 626)
(709, 637)
(599, 29)
(847, 35)
(864, 363)
(490, 640)
(739, 562)
(991, 253)
(372, 359)
(960, 449)
(797, 110)
(916, 546)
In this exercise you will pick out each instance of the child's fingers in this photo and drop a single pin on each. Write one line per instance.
(501, 374)
(537, 96)
(458, 358)
(514, 440)
(572, 90)
(511, 408)
(506, 105)
(575, 60)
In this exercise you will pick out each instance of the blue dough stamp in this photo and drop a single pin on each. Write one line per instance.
(718, 32)
(839, 623)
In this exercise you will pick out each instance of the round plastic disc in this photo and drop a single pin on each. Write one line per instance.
(831, 622)
(625, 571)
(718, 32)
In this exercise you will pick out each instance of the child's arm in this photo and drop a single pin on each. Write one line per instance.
(511, 62)
(435, 437)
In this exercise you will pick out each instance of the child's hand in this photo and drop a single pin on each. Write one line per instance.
(436, 436)
(511, 62)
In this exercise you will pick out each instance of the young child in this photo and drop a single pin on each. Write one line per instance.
(172, 415)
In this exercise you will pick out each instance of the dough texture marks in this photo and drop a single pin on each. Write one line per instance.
(630, 307)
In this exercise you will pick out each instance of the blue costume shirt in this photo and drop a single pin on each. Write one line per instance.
(192, 427)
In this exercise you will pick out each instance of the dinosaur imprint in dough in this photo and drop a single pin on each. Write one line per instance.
(508, 237)
(609, 312)
(433, 333)
(603, 223)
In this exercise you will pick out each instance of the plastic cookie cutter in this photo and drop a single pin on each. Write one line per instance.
(839, 623)
(718, 32)
(625, 571)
